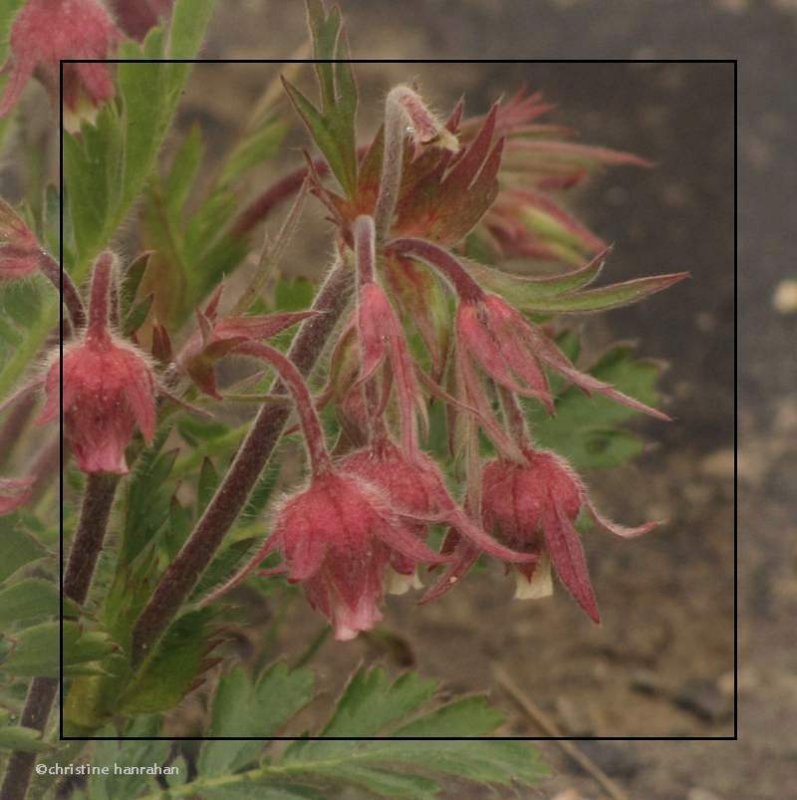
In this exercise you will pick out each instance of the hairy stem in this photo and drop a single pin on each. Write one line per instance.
(86, 547)
(102, 280)
(184, 572)
(70, 296)
(441, 260)
(41, 694)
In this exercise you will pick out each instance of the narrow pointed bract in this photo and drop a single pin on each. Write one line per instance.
(532, 507)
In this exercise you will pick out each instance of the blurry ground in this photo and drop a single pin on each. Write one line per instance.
(661, 664)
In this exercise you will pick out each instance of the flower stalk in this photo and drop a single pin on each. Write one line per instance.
(183, 573)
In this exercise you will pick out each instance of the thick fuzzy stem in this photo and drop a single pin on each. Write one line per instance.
(41, 695)
(305, 408)
(87, 544)
(100, 299)
(392, 162)
(364, 248)
(440, 259)
(70, 296)
(183, 573)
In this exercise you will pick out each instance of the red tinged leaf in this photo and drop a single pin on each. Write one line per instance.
(567, 554)
(580, 154)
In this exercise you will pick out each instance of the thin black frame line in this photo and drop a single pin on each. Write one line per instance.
(735, 402)
(399, 61)
(725, 738)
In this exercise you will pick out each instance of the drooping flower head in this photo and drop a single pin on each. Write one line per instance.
(531, 506)
(338, 536)
(416, 489)
(48, 31)
(108, 386)
(14, 493)
(382, 342)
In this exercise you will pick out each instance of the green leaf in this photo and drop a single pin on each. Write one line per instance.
(28, 740)
(36, 650)
(127, 752)
(371, 702)
(26, 600)
(332, 127)
(614, 296)
(206, 487)
(190, 19)
(586, 430)
(168, 674)
(256, 148)
(471, 714)
(186, 164)
(244, 708)
(17, 548)
(137, 315)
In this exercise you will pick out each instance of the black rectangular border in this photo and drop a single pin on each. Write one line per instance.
(732, 738)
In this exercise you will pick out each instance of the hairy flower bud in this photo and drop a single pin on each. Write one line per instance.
(48, 31)
(337, 538)
(108, 387)
(531, 506)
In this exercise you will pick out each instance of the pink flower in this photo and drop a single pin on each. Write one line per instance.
(14, 492)
(47, 31)
(531, 507)
(108, 387)
(337, 538)
(416, 489)
(19, 249)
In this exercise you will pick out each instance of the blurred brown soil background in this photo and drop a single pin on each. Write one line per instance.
(662, 662)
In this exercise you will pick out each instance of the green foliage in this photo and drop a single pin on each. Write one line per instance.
(333, 125)
(588, 431)
(26, 600)
(17, 548)
(108, 164)
(246, 709)
(172, 670)
(372, 704)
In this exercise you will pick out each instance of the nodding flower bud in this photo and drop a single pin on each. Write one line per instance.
(108, 386)
(337, 538)
(46, 32)
(14, 492)
(416, 489)
(531, 507)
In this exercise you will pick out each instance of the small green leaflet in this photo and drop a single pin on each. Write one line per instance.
(588, 431)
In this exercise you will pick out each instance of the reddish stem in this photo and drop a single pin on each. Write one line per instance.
(440, 259)
(311, 425)
(100, 297)
(177, 582)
